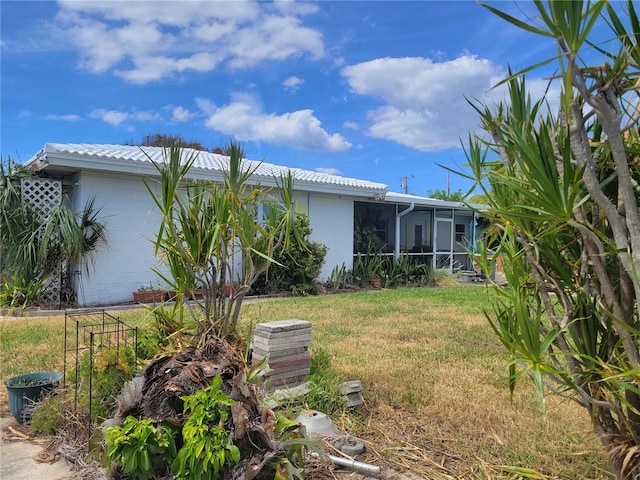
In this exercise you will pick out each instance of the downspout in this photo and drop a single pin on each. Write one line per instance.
(399, 215)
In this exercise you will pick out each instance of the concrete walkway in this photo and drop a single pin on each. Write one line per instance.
(18, 457)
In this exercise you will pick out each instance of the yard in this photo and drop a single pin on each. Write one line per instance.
(436, 398)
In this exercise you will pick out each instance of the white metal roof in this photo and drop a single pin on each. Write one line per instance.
(394, 197)
(121, 158)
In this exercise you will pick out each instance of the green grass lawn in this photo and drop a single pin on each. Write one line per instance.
(436, 396)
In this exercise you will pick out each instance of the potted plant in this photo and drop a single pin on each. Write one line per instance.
(28, 388)
(149, 295)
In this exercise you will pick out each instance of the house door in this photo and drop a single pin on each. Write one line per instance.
(443, 236)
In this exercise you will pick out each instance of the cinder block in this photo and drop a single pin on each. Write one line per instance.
(256, 357)
(283, 366)
(303, 372)
(263, 333)
(271, 354)
(278, 341)
(272, 385)
(350, 387)
(353, 399)
(282, 326)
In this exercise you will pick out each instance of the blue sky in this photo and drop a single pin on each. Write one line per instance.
(367, 89)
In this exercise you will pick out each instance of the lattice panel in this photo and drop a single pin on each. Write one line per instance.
(43, 193)
(51, 293)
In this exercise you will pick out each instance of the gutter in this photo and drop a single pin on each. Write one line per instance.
(399, 215)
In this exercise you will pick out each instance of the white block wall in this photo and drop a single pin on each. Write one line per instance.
(331, 219)
(132, 222)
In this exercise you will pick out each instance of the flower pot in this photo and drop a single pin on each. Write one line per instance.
(149, 296)
(27, 388)
(230, 290)
(377, 282)
(195, 294)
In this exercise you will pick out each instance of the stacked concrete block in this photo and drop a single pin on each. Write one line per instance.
(285, 345)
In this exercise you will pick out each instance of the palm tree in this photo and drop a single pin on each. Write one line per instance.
(36, 248)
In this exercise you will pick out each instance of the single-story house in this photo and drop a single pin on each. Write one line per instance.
(433, 229)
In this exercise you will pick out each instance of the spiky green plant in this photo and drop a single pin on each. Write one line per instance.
(214, 233)
(562, 193)
(34, 246)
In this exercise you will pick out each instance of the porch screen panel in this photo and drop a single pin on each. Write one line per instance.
(444, 240)
(443, 235)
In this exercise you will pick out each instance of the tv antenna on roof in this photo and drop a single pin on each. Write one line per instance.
(405, 183)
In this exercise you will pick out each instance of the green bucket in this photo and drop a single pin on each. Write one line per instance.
(27, 388)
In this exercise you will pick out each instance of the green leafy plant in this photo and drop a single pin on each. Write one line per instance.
(213, 234)
(36, 247)
(18, 292)
(50, 413)
(206, 451)
(296, 268)
(142, 448)
(366, 267)
(290, 436)
(562, 198)
(338, 278)
(100, 379)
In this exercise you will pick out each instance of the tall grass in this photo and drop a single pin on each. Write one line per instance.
(436, 395)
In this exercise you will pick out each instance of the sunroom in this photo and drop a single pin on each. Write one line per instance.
(430, 231)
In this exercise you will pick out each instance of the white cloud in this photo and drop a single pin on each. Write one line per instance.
(273, 38)
(295, 8)
(148, 69)
(65, 118)
(180, 114)
(207, 106)
(243, 118)
(99, 49)
(116, 118)
(424, 101)
(180, 14)
(351, 125)
(292, 83)
(111, 117)
(142, 42)
(329, 171)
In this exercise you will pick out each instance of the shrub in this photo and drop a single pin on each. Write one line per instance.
(18, 292)
(299, 267)
(111, 369)
(49, 414)
(207, 450)
(144, 449)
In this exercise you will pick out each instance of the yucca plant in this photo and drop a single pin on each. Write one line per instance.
(562, 194)
(213, 231)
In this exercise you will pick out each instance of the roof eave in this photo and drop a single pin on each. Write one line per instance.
(52, 159)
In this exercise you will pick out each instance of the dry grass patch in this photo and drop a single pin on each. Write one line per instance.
(435, 386)
(437, 401)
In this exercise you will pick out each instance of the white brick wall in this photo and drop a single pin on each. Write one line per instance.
(132, 222)
(331, 219)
